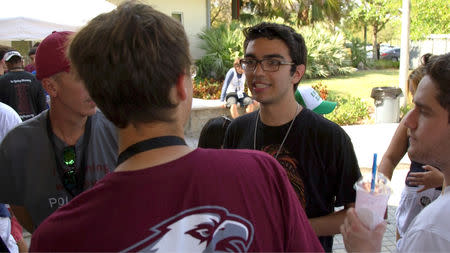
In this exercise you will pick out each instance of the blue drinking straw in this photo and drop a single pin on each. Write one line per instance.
(374, 172)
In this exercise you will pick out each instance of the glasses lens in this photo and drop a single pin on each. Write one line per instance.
(270, 65)
(248, 65)
(69, 156)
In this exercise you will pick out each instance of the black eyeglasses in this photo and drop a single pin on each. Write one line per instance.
(70, 174)
(269, 65)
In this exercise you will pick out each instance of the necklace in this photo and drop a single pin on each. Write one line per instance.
(285, 136)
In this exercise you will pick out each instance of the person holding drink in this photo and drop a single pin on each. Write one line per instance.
(429, 134)
(423, 183)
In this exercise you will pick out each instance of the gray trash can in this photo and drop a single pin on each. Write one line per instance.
(387, 104)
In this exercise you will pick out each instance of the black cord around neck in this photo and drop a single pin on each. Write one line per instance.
(148, 144)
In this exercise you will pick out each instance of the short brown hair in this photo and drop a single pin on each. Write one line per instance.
(293, 40)
(129, 59)
(438, 68)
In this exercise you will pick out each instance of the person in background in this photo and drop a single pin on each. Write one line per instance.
(428, 126)
(32, 54)
(413, 199)
(3, 50)
(8, 120)
(164, 196)
(20, 89)
(50, 159)
(213, 132)
(316, 153)
(233, 90)
(7, 242)
(32, 69)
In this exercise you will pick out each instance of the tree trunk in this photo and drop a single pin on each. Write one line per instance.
(365, 44)
(235, 8)
(375, 49)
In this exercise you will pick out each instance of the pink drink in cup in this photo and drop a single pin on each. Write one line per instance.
(371, 206)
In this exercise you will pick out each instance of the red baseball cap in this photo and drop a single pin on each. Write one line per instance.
(51, 55)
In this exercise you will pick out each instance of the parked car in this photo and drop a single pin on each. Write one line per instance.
(383, 49)
(391, 54)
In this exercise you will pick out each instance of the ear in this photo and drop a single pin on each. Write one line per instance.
(298, 74)
(181, 88)
(50, 86)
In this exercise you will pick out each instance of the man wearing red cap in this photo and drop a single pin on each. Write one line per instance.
(55, 156)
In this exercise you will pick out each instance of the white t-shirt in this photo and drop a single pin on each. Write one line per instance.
(237, 83)
(430, 230)
(5, 234)
(8, 119)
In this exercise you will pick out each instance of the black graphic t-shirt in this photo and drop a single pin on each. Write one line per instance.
(317, 155)
(23, 92)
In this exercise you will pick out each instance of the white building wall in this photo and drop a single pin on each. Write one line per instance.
(194, 17)
(434, 44)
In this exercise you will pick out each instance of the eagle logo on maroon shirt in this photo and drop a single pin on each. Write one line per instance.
(199, 229)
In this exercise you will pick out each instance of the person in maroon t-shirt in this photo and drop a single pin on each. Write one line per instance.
(165, 196)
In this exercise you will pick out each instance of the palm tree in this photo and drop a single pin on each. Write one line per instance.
(308, 11)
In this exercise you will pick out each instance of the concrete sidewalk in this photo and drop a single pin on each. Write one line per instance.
(370, 139)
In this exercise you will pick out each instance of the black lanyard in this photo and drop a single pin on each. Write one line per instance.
(145, 145)
(82, 170)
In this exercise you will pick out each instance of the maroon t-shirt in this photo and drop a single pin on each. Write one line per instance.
(30, 68)
(209, 200)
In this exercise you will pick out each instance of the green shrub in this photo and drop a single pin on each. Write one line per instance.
(326, 52)
(349, 110)
(246, 18)
(383, 64)
(222, 44)
(405, 109)
(358, 54)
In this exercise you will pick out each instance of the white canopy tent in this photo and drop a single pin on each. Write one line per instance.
(34, 20)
